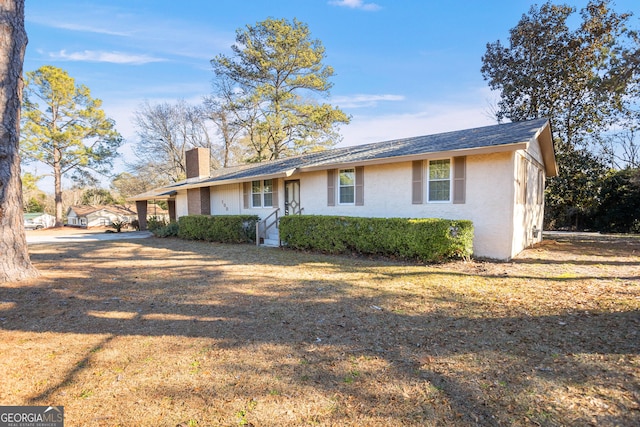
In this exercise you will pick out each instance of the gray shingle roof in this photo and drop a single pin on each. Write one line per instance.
(468, 139)
(488, 136)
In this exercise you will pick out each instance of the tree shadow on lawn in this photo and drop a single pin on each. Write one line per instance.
(231, 296)
(587, 249)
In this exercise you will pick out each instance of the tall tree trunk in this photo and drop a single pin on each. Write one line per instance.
(14, 256)
(57, 181)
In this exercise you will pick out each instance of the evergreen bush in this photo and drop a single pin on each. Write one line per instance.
(428, 239)
(169, 230)
(218, 228)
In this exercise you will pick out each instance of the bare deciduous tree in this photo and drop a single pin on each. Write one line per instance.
(228, 115)
(165, 131)
(622, 149)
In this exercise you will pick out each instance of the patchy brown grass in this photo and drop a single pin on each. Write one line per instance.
(162, 332)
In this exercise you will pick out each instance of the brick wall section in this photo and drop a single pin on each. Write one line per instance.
(199, 201)
(171, 204)
(141, 207)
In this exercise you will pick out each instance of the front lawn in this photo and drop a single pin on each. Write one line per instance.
(165, 332)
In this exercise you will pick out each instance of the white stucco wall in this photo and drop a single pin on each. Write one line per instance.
(502, 227)
(387, 193)
(262, 212)
(530, 215)
(182, 206)
(226, 199)
(101, 218)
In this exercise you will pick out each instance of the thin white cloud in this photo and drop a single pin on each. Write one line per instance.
(87, 29)
(364, 100)
(429, 120)
(101, 56)
(356, 4)
(170, 36)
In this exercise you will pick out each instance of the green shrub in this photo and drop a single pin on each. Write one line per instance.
(619, 202)
(218, 228)
(169, 230)
(118, 225)
(154, 222)
(428, 240)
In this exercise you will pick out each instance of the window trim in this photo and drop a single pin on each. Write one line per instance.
(340, 187)
(262, 193)
(429, 180)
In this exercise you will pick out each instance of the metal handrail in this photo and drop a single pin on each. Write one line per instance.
(266, 226)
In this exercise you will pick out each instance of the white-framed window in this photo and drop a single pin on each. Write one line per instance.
(439, 182)
(262, 193)
(347, 186)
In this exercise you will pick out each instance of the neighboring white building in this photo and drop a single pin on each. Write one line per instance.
(493, 176)
(97, 216)
(37, 220)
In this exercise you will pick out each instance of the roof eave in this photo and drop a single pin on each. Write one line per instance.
(545, 139)
(158, 194)
(163, 193)
(423, 156)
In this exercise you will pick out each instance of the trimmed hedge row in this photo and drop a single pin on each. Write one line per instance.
(218, 228)
(428, 240)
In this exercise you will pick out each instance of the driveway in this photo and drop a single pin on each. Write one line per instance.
(65, 234)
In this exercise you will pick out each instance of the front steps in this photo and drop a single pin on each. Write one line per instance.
(273, 238)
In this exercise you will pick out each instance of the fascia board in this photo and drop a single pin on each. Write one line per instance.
(423, 156)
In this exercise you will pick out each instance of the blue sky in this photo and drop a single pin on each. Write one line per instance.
(403, 67)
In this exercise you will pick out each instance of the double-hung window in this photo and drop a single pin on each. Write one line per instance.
(347, 186)
(439, 184)
(262, 193)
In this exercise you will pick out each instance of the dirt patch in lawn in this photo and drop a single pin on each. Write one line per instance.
(162, 332)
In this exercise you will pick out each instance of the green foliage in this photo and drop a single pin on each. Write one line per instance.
(98, 196)
(154, 223)
(571, 198)
(427, 240)
(218, 228)
(65, 128)
(169, 230)
(33, 199)
(578, 78)
(619, 209)
(118, 225)
(162, 204)
(35, 203)
(30, 182)
(267, 83)
(583, 79)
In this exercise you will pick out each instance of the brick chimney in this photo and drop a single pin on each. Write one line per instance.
(198, 199)
(197, 163)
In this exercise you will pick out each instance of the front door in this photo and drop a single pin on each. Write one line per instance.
(292, 197)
